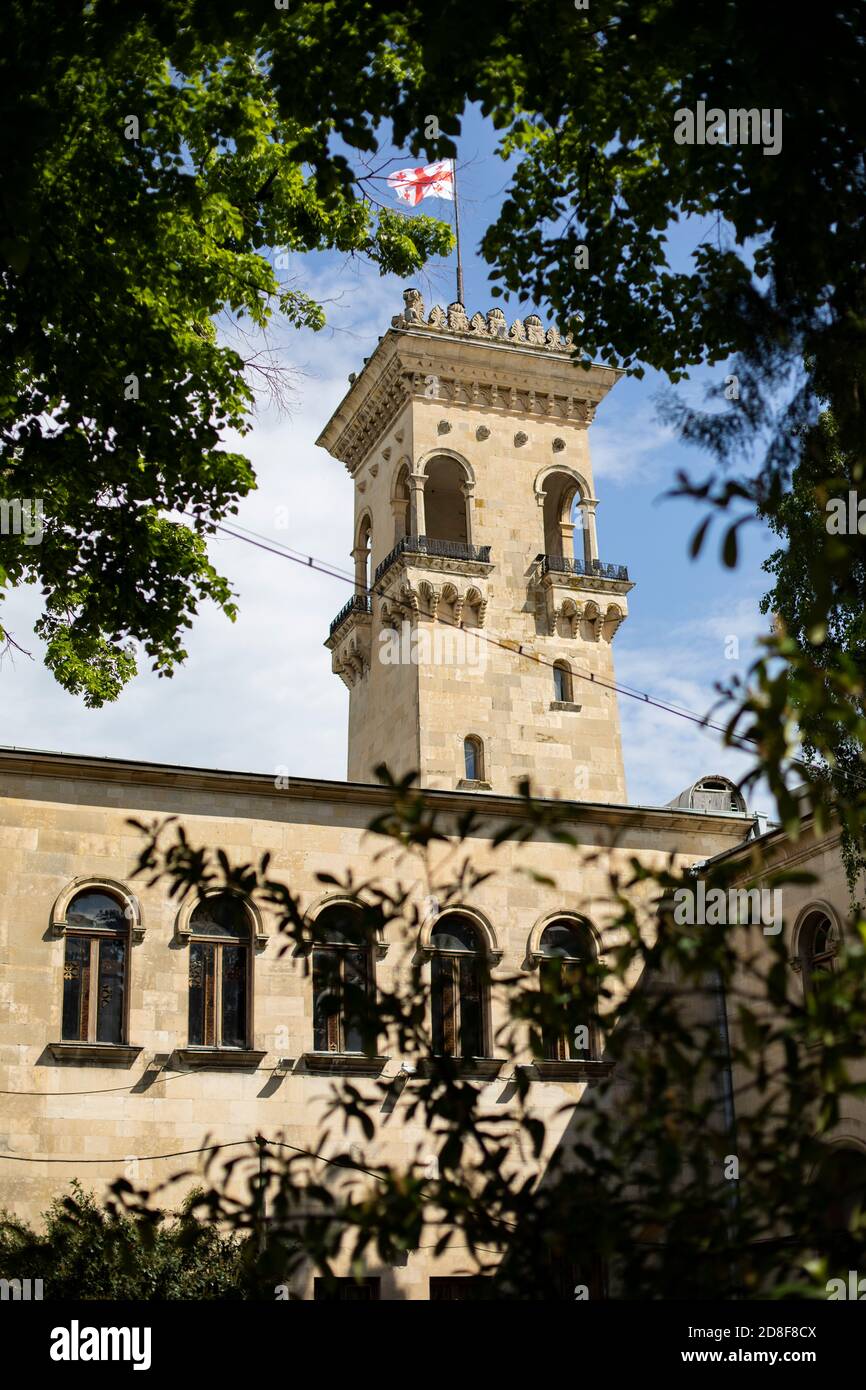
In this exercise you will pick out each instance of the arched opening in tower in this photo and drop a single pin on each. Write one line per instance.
(445, 502)
(564, 534)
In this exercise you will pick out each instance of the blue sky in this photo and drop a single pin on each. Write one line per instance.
(259, 694)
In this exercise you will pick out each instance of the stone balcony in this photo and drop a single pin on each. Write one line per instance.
(581, 598)
(350, 639)
(425, 577)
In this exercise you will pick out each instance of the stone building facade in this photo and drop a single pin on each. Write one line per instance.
(130, 1028)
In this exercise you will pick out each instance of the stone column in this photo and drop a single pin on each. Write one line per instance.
(359, 555)
(468, 490)
(590, 537)
(417, 519)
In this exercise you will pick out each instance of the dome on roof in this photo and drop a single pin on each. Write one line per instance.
(711, 793)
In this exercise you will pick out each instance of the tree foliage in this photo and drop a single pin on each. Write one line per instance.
(148, 172)
(89, 1251)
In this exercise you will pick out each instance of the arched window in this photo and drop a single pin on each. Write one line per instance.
(473, 759)
(562, 685)
(364, 557)
(342, 982)
(219, 973)
(569, 1025)
(95, 969)
(564, 535)
(816, 947)
(457, 988)
(400, 503)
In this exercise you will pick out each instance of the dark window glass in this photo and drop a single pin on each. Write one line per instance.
(563, 976)
(562, 683)
(817, 949)
(457, 993)
(342, 984)
(562, 939)
(234, 1000)
(471, 1030)
(76, 988)
(356, 986)
(219, 973)
(444, 998)
(112, 990)
(472, 760)
(219, 916)
(92, 909)
(453, 933)
(326, 1001)
(202, 980)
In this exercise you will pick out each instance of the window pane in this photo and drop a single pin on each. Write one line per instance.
(202, 962)
(562, 939)
(340, 924)
(444, 1005)
(470, 758)
(471, 1028)
(76, 989)
(95, 910)
(553, 1034)
(454, 933)
(559, 683)
(112, 990)
(234, 1002)
(326, 1000)
(356, 1024)
(223, 915)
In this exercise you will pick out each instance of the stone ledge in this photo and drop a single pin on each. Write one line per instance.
(351, 1063)
(114, 1054)
(482, 1067)
(547, 1069)
(225, 1058)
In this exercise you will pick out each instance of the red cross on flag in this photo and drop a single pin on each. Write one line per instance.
(431, 181)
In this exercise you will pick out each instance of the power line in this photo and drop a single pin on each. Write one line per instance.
(743, 742)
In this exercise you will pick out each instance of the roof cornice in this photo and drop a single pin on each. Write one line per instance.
(133, 773)
(477, 362)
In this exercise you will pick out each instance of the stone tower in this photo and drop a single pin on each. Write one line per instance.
(477, 641)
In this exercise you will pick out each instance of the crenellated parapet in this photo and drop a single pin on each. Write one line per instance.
(492, 325)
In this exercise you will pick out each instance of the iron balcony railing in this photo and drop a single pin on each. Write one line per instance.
(358, 603)
(427, 545)
(591, 569)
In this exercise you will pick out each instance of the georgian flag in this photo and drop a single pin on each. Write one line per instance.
(432, 181)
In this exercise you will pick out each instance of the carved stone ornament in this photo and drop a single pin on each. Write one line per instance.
(444, 427)
(558, 445)
(457, 320)
(414, 306)
(482, 432)
(520, 438)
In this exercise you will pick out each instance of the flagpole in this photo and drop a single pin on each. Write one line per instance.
(457, 234)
